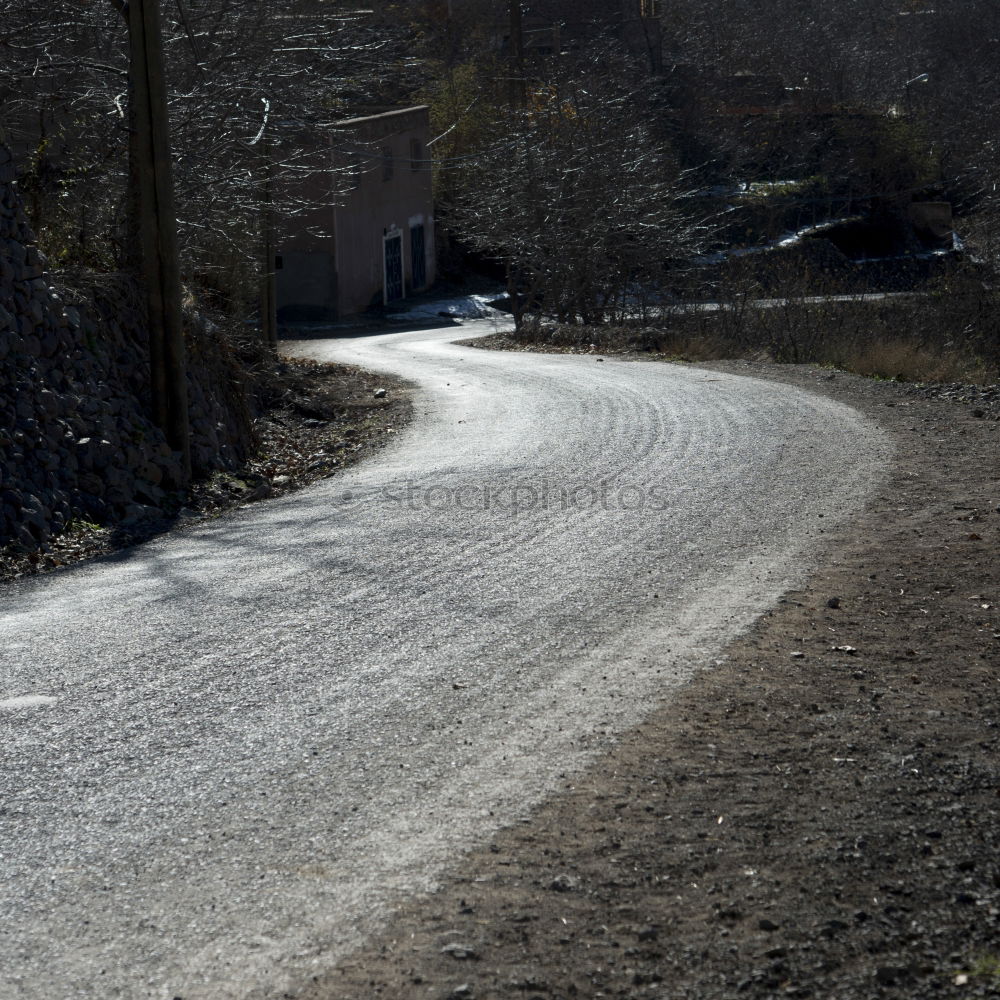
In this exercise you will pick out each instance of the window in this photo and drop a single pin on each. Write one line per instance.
(416, 154)
(418, 257)
(392, 267)
(386, 164)
(649, 8)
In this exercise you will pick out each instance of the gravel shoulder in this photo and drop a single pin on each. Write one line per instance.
(815, 815)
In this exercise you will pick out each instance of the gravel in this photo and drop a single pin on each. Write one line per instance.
(820, 826)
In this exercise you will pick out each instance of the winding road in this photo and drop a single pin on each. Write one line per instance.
(224, 754)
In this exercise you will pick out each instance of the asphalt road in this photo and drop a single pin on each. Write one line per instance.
(223, 755)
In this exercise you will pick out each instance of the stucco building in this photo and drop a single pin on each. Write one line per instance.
(366, 236)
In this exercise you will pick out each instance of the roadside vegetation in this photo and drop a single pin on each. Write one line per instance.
(593, 175)
(946, 333)
(809, 186)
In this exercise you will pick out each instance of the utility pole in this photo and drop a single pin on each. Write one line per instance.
(268, 280)
(518, 99)
(267, 298)
(158, 229)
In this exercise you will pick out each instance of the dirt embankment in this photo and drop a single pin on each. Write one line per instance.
(314, 420)
(818, 815)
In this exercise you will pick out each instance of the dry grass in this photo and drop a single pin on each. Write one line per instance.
(947, 334)
(906, 362)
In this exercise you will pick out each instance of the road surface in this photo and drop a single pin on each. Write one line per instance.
(226, 753)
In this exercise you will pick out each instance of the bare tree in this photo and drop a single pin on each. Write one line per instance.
(578, 197)
(242, 76)
(956, 95)
(109, 102)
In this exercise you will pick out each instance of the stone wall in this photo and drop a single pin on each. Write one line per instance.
(76, 438)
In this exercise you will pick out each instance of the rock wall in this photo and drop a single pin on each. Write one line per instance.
(76, 438)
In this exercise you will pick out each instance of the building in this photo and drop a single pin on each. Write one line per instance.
(365, 236)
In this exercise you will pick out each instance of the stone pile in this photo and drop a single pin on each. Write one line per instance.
(984, 400)
(76, 438)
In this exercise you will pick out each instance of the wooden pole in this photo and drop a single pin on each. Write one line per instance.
(268, 283)
(268, 295)
(158, 230)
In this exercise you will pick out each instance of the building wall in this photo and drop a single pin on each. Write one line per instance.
(376, 181)
(306, 280)
(392, 194)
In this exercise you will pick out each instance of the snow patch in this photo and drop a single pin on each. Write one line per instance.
(461, 307)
